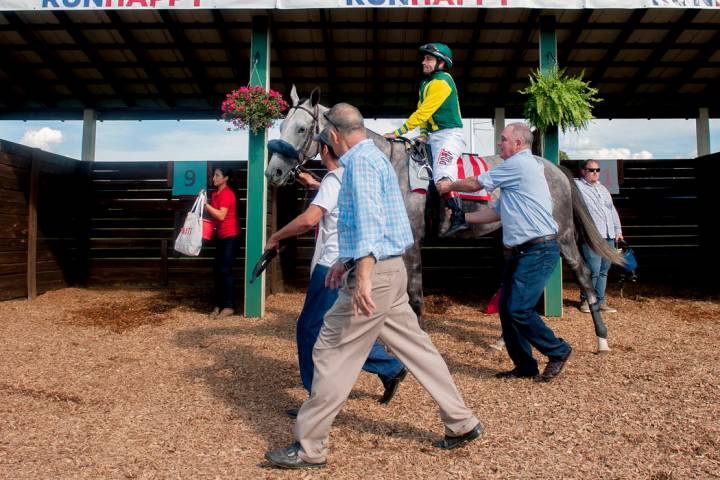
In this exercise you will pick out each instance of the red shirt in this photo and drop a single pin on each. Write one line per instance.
(225, 198)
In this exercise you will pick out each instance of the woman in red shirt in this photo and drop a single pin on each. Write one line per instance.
(223, 211)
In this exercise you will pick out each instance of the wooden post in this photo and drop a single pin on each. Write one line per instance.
(702, 132)
(32, 227)
(551, 151)
(256, 185)
(87, 153)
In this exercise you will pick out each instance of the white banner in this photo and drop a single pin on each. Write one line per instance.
(311, 4)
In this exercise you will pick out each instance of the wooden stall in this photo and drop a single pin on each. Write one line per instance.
(42, 221)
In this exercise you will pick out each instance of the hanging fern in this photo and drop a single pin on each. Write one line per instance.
(558, 100)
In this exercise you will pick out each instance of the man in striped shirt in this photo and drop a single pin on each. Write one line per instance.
(600, 204)
(373, 233)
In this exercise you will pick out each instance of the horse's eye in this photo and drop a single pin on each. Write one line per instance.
(301, 130)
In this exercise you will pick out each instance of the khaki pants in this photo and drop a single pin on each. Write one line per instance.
(343, 346)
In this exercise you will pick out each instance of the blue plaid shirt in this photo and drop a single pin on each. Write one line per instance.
(372, 219)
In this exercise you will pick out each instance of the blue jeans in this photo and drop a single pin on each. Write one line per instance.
(317, 302)
(599, 267)
(524, 279)
(222, 272)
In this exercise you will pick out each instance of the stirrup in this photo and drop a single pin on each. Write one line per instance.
(453, 229)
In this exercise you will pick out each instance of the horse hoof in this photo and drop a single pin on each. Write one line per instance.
(603, 347)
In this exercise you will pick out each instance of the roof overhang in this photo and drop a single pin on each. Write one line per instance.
(179, 63)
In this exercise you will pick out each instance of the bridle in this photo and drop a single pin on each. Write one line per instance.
(303, 157)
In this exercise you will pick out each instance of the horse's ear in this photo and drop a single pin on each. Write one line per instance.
(294, 96)
(315, 96)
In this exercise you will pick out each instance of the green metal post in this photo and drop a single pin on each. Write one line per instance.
(256, 186)
(551, 151)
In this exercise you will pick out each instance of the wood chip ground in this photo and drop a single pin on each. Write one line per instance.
(133, 384)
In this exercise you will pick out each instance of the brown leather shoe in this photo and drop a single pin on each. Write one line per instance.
(604, 307)
(554, 367)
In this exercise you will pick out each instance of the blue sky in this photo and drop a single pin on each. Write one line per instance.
(209, 140)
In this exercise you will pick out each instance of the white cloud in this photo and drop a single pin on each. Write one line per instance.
(608, 153)
(644, 155)
(42, 138)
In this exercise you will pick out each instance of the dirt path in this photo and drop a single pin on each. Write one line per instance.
(141, 384)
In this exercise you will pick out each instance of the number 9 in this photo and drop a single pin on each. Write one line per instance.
(190, 177)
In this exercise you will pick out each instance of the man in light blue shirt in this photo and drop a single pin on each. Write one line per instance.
(529, 233)
(373, 232)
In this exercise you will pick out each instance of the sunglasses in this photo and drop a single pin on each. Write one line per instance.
(592, 170)
(430, 48)
(333, 124)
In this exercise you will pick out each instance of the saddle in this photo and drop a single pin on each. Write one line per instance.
(420, 169)
(419, 165)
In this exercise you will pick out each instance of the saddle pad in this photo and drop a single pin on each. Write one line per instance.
(473, 165)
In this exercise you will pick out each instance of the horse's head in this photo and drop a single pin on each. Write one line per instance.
(295, 145)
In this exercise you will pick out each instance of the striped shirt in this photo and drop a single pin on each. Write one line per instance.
(600, 204)
(372, 218)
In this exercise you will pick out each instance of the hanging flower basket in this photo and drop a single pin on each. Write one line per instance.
(253, 107)
(558, 100)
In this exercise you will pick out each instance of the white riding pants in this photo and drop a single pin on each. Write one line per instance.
(446, 146)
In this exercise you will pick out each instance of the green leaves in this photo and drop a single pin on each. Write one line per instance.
(559, 100)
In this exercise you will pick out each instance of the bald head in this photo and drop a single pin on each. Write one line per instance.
(347, 127)
(521, 132)
(345, 118)
(514, 138)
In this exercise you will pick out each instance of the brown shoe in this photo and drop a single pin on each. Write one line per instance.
(215, 312)
(226, 312)
(554, 367)
(604, 307)
(584, 306)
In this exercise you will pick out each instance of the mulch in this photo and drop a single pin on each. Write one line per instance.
(141, 384)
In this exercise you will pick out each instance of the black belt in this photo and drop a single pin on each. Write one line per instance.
(523, 247)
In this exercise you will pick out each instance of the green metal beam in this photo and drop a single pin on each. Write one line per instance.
(551, 151)
(256, 186)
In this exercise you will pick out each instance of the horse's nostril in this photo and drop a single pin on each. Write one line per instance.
(278, 172)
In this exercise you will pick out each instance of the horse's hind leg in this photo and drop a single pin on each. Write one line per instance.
(571, 255)
(413, 265)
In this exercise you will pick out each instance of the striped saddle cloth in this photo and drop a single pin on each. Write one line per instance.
(472, 165)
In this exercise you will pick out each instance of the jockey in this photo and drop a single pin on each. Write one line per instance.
(438, 116)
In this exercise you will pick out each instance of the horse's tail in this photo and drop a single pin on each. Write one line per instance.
(586, 226)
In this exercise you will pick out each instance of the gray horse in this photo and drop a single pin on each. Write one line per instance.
(295, 147)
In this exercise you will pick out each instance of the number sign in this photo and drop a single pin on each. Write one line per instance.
(189, 178)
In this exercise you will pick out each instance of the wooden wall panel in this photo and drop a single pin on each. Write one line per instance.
(49, 256)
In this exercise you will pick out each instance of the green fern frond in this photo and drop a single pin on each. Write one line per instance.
(555, 99)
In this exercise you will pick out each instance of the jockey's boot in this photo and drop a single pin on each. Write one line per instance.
(457, 217)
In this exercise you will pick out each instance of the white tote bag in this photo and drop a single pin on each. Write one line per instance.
(189, 241)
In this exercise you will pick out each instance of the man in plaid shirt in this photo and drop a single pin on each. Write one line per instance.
(373, 232)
